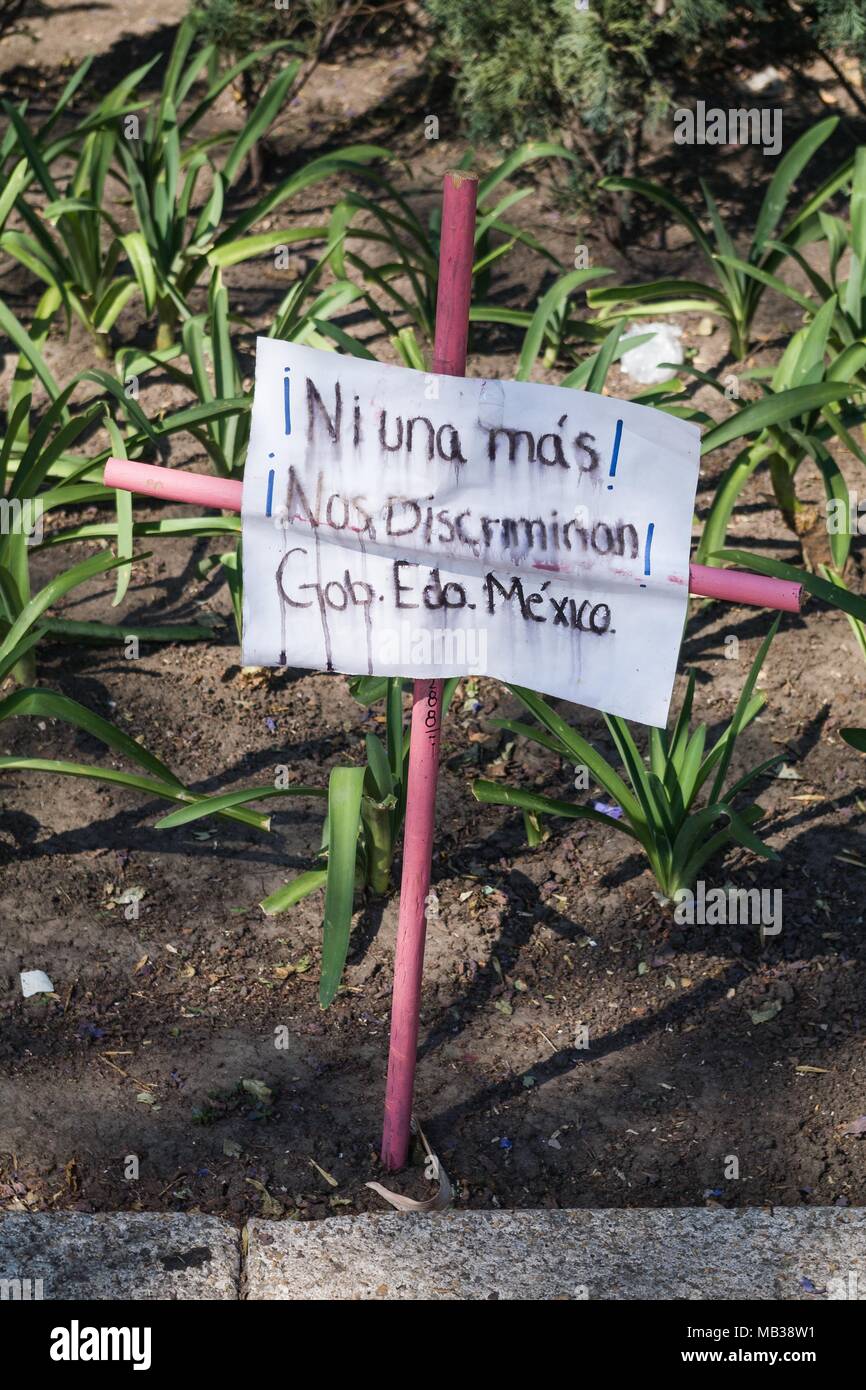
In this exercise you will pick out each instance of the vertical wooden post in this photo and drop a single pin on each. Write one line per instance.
(456, 255)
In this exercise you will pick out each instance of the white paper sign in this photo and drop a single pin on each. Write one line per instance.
(398, 523)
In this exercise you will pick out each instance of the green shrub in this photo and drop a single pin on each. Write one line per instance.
(304, 29)
(601, 75)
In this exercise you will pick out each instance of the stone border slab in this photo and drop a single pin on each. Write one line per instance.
(680, 1253)
(137, 1255)
(790, 1254)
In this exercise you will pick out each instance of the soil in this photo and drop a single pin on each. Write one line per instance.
(578, 1047)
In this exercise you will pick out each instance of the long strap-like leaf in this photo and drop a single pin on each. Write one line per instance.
(345, 789)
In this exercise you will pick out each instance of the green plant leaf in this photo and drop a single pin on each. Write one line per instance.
(535, 803)
(291, 893)
(855, 604)
(740, 713)
(790, 166)
(551, 303)
(345, 789)
(55, 589)
(580, 751)
(775, 409)
(211, 805)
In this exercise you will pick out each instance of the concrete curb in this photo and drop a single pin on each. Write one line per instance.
(682, 1253)
(541, 1255)
(137, 1255)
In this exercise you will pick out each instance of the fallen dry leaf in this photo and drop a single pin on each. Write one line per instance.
(327, 1176)
(441, 1199)
(767, 1011)
(271, 1208)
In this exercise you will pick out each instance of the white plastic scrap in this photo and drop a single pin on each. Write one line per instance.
(642, 363)
(35, 982)
(765, 79)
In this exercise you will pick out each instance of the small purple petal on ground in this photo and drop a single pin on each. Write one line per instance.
(271, 726)
(615, 812)
(89, 1030)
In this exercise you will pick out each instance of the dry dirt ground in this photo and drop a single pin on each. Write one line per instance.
(158, 1021)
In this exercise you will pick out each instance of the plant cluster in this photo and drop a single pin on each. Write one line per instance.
(130, 211)
(601, 74)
